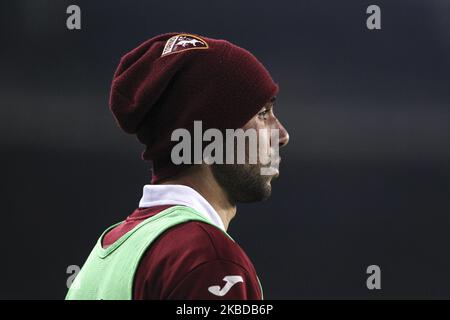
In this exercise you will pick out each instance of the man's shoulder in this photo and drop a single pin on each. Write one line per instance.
(188, 253)
(206, 242)
(191, 258)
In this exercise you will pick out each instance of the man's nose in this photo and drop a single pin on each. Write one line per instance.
(283, 134)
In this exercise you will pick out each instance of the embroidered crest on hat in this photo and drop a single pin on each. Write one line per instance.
(183, 42)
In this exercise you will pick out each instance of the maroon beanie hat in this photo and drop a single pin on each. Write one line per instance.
(174, 79)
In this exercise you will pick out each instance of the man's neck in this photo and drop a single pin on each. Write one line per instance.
(201, 179)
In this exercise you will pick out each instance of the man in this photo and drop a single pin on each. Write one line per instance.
(175, 245)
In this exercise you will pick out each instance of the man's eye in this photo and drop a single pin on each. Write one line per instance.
(263, 114)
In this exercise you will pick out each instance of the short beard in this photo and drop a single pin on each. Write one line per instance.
(243, 182)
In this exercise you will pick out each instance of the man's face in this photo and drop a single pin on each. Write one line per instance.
(245, 182)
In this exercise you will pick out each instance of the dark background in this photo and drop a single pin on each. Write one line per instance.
(364, 180)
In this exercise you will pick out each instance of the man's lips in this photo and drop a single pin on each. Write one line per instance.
(272, 168)
(275, 161)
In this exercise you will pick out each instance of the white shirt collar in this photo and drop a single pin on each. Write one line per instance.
(175, 194)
